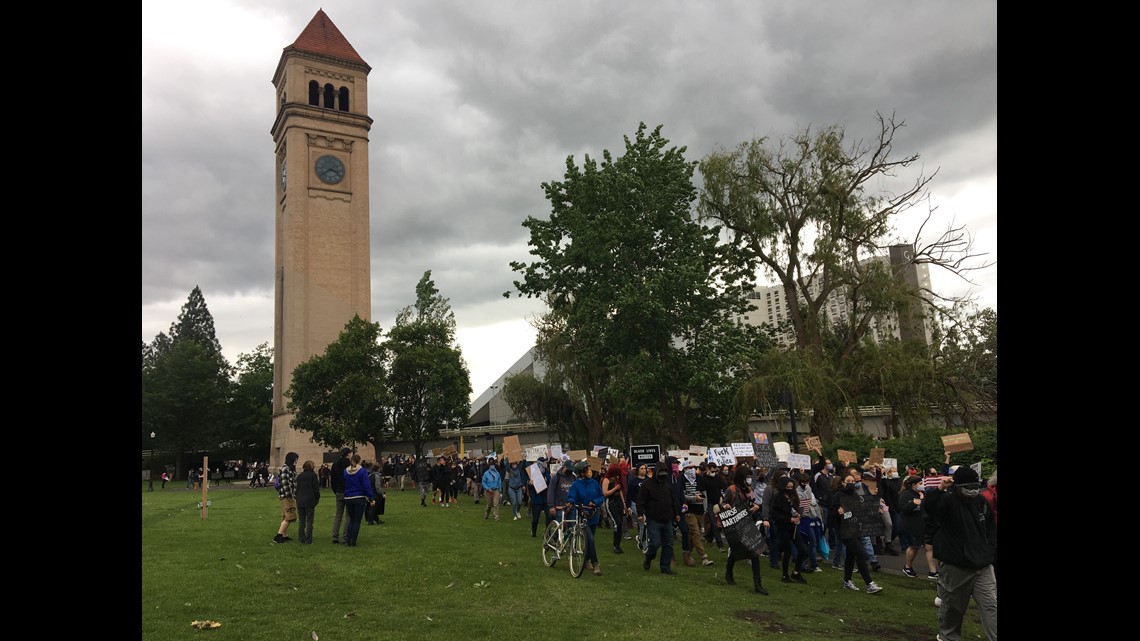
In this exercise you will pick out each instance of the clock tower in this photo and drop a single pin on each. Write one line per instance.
(322, 268)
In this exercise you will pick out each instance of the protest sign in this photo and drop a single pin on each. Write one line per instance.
(799, 461)
(957, 443)
(534, 452)
(742, 450)
(512, 449)
(678, 454)
(782, 450)
(877, 455)
(721, 456)
(535, 472)
(765, 455)
(813, 443)
(576, 455)
(867, 514)
(847, 456)
(888, 463)
(698, 451)
(556, 452)
(759, 437)
(739, 527)
(595, 464)
(645, 455)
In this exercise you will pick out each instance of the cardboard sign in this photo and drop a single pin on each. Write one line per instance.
(740, 529)
(577, 455)
(722, 456)
(813, 443)
(877, 455)
(535, 472)
(512, 449)
(678, 454)
(595, 464)
(872, 486)
(765, 455)
(645, 455)
(957, 443)
(799, 461)
(847, 456)
(447, 451)
(742, 450)
(889, 463)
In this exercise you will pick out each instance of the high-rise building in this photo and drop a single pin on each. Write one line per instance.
(769, 304)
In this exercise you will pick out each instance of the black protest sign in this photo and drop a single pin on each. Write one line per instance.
(868, 517)
(644, 455)
(765, 455)
(740, 529)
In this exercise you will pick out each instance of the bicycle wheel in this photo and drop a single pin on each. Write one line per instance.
(551, 544)
(577, 551)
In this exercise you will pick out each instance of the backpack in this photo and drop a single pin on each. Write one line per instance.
(277, 483)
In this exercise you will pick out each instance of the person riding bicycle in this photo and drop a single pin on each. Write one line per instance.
(587, 492)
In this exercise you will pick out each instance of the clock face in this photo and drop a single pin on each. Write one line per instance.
(330, 169)
(284, 175)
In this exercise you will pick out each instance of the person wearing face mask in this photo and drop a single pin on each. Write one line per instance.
(559, 489)
(659, 510)
(739, 495)
(785, 517)
(811, 524)
(693, 502)
(965, 544)
(538, 499)
(890, 485)
(847, 508)
(586, 491)
(712, 485)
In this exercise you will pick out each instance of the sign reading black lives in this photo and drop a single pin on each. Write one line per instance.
(644, 455)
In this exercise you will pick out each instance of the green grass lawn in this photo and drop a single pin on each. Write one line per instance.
(438, 574)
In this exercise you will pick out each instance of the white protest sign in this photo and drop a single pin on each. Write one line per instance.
(799, 461)
(721, 456)
(678, 454)
(888, 463)
(534, 452)
(742, 450)
(698, 451)
(782, 450)
(536, 477)
(556, 452)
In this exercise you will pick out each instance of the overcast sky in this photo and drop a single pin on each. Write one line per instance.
(475, 104)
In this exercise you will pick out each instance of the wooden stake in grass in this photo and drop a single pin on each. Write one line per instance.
(205, 484)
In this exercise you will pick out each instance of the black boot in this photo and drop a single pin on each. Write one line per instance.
(757, 587)
(728, 571)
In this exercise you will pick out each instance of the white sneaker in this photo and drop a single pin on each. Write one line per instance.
(850, 585)
(873, 587)
(938, 601)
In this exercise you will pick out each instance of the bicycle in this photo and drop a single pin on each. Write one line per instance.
(570, 539)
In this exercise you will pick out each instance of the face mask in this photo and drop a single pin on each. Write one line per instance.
(830, 467)
(748, 481)
(893, 475)
(850, 486)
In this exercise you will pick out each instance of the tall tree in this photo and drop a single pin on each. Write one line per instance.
(185, 383)
(637, 288)
(428, 378)
(341, 396)
(808, 213)
(251, 407)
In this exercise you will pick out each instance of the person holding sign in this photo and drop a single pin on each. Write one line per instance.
(537, 497)
(848, 509)
(735, 512)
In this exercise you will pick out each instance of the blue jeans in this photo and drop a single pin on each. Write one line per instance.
(869, 549)
(515, 494)
(591, 550)
(660, 536)
(810, 535)
(354, 508)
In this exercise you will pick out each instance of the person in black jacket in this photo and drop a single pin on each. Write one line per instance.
(336, 478)
(308, 495)
(965, 542)
(847, 506)
(422, 469)
(785, 517)
(659, 508)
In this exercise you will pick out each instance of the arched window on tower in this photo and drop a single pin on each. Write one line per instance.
(330, 94)
(343, 99)
(314, 93)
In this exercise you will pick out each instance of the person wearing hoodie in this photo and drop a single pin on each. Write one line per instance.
(693, 509)
(559, 490)
(308, 495)
(492, 488)
(287, 494)
(965, 542)
(516, 484)
(538, 499)
(785, 517)
(659, 508)
(847, 509)
(357, 496)
(613, 489)
(586, 491)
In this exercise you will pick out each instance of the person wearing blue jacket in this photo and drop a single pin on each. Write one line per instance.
(492, 487)
(357, 496)
(587, 491)
(516, 485)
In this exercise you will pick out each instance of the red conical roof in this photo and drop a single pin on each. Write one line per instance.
(322, 37)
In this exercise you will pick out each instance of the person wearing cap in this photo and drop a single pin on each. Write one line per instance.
(586, 491)
(288, 496)
(492, 487)
(659, 508)
(336, 478)
(965, 543)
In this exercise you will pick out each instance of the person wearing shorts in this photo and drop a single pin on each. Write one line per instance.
(288, 496)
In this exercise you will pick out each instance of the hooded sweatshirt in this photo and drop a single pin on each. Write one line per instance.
(356, 485)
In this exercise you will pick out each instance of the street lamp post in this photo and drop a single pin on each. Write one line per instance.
(150, 477)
